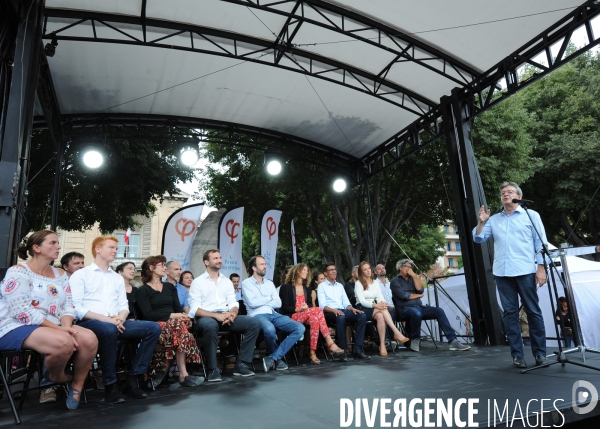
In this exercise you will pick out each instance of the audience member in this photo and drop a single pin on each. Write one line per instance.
(317, 279)
(407, 292)
(36, 312)
(186, 281)
(293, 296)
(127, 271)
(349, 286)
(563, 314)
(213, 303)
(261, 299)
(101, 304)
(339, 312)
(173, 275)
(158, 301)
(372, 302)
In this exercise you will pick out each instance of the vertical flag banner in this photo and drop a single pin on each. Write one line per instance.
(126, 239)
(179, 233)
(230, 242)
(294, 254)
(269, 231)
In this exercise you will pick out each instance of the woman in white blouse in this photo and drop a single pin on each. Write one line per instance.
(36, 312)
(370, 298)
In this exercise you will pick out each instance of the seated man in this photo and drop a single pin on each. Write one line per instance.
(338, 311)
(101, 306)
(261, 299)
(213, 303)
(407, 292)
(173, 277)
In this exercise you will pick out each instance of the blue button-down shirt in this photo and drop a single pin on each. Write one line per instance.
(182, 294)
(517, 248)
(386, 291)
(260, 298)
(332, 295)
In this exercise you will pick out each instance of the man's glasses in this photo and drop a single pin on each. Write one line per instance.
(332, 269)
(509, 192)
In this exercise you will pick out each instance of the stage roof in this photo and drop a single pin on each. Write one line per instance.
(347, 75)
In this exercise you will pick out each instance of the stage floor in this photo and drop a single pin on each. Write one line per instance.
(309, 396)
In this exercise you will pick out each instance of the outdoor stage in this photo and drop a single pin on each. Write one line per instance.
(309, 396)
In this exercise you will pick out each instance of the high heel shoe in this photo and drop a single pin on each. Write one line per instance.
(382, 351)
(314, 359)
(337, 351)
(72, 403)
(402, 339)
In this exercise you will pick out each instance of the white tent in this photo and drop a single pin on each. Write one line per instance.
(585, 279)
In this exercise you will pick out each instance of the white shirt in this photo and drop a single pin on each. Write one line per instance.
(99, 291)
(205, 295)
(386, 291)
(366, 297)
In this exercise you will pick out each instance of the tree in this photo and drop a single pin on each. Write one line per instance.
(134, 172)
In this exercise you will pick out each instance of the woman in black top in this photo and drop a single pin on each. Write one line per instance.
(158, 301)
(127, 271)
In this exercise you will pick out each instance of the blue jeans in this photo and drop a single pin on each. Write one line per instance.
(270, 323)
(510, 289)
(415, 314)
(107, 333)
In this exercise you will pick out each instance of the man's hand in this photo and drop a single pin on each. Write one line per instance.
(540, 276)
(118, 322)
(356, 310)
(483, 216)
(338, 313)
(72, 332)
(229, 318)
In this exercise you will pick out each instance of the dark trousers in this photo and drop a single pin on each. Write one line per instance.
(415, 314)
(340, 323)
(209, 329)
(107, 333)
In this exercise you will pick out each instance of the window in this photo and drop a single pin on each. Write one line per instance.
(448, 245)
(446, 229)
(450, 262)
(134, 246)
(457, 246)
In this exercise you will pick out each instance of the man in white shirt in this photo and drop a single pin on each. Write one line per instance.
(261, 299)
(101, 305)
(213, 303)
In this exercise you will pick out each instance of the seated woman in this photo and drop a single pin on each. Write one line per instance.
(127, 271)
(370, 300)
(36, 312)
(186, 280)
(294, 303)
(158, 301)
(317, 279)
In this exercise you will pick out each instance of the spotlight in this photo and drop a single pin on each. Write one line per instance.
(188, 150)
(93, 159)
(50, 48)
(274, 167)
(339, 185)
(273, 162)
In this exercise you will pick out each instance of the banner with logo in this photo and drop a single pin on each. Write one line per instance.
(269, 231)
(295, 256)
(230, 242)
(179, 233)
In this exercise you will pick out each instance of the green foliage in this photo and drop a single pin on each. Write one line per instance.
(424, 246)
(134, 172)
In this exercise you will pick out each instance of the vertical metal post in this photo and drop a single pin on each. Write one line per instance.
(15, 143)
(371, 236)
(56, 189)
(468, 197)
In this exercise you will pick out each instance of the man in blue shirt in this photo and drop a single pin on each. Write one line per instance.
(339, 312)
(261, 299)
(173, 276)
(518, 266)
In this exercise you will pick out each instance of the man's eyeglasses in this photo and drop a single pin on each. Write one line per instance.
(406, 266)
(332, 269)
(509, 192)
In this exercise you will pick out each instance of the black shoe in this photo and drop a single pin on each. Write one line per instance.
(541, 360)
(242, 369)
(360, 354)
(191, 381)
(341, 358)
(519, 362)
(112, 394)
(214, 375)
(269, 363)
(132, 388)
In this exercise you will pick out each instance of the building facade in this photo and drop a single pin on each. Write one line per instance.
(450, 260)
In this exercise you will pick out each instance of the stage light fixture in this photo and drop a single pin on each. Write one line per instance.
(273, 162)
(93, 159)
(339, 185)
(188, 150)
(50, 48)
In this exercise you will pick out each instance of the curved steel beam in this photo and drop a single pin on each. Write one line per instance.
(270, 53)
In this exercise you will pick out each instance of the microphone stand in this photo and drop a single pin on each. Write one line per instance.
(560, 355)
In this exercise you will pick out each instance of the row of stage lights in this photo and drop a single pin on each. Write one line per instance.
(189, 156)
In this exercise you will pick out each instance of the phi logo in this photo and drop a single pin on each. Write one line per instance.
(271, 227)
(585, 397)
(181, 227)
(230, 226)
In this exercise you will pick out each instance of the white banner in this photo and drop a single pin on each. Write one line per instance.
(294, 254)
(179, 233)
(230, 242)
(269, 231)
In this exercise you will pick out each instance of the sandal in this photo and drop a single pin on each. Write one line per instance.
(72, 403)
(314, 359)
(337, 351)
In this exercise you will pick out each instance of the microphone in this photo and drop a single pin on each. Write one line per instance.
(523, 202)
